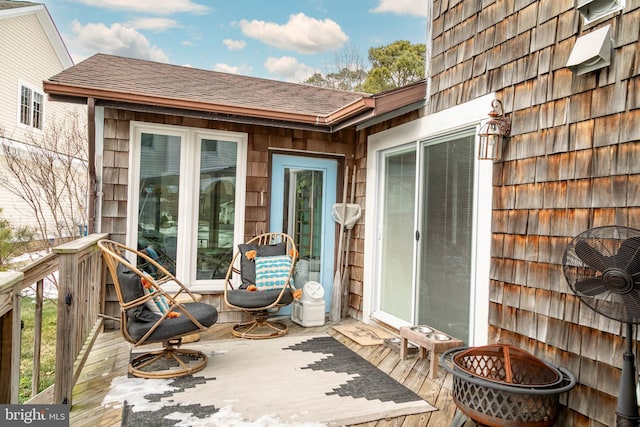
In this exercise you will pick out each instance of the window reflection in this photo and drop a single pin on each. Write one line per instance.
(159, 194)
(302, 218)
(216, 208)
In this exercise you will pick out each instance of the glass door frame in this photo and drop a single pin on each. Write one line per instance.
(463, 117)
(279, 161)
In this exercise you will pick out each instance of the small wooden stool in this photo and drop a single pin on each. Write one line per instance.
(422, 340)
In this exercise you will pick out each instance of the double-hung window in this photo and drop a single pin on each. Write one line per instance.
(31, 107)
(186, 199)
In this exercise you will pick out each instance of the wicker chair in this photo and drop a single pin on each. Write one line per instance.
(148, 314)
(248, 288)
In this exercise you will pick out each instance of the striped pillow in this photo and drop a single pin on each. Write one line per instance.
(272, 272)
(158, 304)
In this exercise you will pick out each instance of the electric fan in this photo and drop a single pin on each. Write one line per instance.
(602, 267)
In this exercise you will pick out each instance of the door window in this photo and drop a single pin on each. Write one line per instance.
(303, 191)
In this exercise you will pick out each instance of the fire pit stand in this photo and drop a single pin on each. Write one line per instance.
(502, 386)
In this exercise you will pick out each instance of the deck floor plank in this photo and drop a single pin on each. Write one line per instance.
(110, 354)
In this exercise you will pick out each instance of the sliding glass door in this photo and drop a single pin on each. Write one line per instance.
(446, 234)
(396, 233)
(424, 233)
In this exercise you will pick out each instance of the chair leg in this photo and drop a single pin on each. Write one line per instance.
(170, 362)
(260, 328)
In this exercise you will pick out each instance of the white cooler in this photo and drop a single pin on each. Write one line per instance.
(309, 309)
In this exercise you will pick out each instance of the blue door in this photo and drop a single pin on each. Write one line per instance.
(303, 191)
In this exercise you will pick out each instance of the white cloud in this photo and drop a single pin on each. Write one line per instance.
(402, 7)
(233, 69)
(234, 44)
(289, 69)
(149, 6)
(154, 24)
(116, 39)
(300, 34)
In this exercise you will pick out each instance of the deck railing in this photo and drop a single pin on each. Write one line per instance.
(80, 301)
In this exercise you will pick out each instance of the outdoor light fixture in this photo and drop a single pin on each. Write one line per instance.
(492, 132)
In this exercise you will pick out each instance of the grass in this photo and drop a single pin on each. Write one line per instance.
(48, 345)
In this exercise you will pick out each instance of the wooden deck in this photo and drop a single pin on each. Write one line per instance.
(110, 355)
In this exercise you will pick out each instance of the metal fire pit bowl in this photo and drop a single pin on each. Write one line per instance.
(502, 386)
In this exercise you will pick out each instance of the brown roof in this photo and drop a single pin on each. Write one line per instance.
(119, 79)
(134, 80)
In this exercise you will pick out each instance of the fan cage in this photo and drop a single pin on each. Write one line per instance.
(612, 243)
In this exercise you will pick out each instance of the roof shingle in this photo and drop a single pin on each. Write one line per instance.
(145, 78)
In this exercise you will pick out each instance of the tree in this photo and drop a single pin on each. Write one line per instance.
(347, 72)
(49, 173)
(395, 65)
(13, 242)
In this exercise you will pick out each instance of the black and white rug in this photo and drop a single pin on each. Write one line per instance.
(308, 381)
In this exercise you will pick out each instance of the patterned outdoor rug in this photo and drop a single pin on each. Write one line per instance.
(288, 381)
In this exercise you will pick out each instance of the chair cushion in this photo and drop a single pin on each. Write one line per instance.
(272, 272)
(257, 299)
(173, 327)
(248, 266)
(130, 285)
(131, 289)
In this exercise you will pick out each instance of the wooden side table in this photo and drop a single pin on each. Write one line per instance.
(428, 341)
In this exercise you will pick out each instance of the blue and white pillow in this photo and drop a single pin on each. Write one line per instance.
(272, 272)
(158, 304)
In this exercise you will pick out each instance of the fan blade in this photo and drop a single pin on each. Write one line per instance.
(590, 287)
(632, 305)
(590, 256)
(629, 254)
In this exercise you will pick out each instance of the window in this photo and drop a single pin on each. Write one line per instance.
(184, 200)
(31, 107)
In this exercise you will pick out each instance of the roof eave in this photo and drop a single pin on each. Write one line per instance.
(356, 107)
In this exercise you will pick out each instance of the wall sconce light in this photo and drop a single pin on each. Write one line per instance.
(492, 132)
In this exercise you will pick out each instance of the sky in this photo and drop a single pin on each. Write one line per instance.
(287, 40)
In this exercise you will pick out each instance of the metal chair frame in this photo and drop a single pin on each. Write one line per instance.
(180, 361)
(260, 327)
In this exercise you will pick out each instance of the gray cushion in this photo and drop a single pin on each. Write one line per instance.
(131, 289)
(257, 299)
(248, 266)
(173, 327)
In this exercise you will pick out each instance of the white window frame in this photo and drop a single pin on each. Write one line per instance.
(463, 116)
(33, 91)
(189, 194)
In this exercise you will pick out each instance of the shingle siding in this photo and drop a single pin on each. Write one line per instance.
(571, 163)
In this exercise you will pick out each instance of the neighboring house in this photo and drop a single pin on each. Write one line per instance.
(31, 50)
(471, 247)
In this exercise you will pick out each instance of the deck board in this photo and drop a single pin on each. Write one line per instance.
(109, 358)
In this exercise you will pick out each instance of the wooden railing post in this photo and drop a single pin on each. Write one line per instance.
(10, 285)
(80, 274)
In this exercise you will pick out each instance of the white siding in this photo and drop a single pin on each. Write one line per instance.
(28, 55)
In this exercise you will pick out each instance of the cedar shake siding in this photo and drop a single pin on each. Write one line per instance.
(571, 163)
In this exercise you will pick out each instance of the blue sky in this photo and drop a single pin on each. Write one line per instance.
(285, 40)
